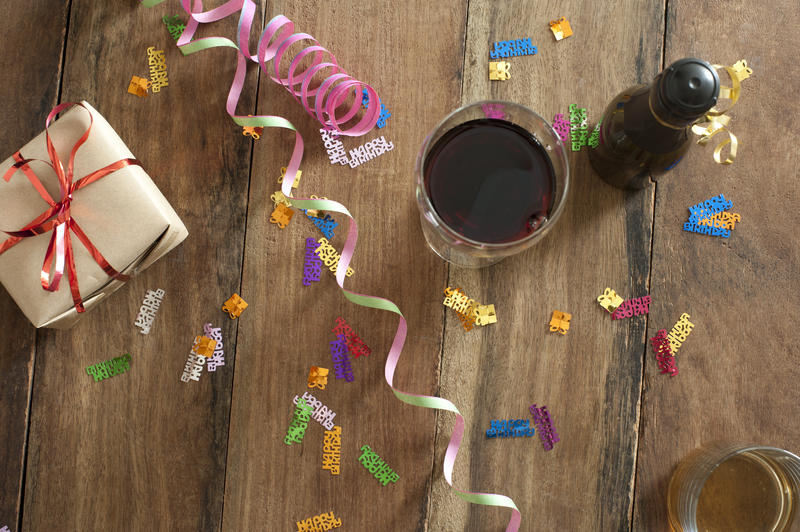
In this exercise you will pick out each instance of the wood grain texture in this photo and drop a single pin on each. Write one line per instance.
(35, 66)
(738, 369)
(287, 327)
(589, 379)
(145, 451)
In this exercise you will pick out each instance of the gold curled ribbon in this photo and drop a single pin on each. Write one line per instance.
(715, 120)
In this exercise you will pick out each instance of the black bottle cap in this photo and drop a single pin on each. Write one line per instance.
(688, 88)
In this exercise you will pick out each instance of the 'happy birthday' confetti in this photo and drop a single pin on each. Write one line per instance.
(312, 268)
(513, 48)
(174, 25)
(384, 112)
(299, 424)
(664, 356)
(375, 465)
(330, 256)
(109, 368)
(541, 417)
(331, 450)
(632, 307)
(578, 126)
(505, 428)
(562, 127)
(318, 523)
(679, 332)
(355, 344)
(342, 367)
(158, 68)
(148, 310)
(322, 414)
(218, 358)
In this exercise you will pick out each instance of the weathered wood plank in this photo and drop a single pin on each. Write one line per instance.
(590, 379)
(287, 328)
(34, 64)
(143, 450)
(738, 369)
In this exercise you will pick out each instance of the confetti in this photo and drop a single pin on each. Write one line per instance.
(278, 198)
(329, 105)
(632, 307)
(334, 147)
(375, 465)
(679, 332)
(312, 268)
(562, 127)
(193, 368)
(463, 305)
(281, 216)
(341, 363)
(4, 529)
(559, 322)
(610, 300)
(505, 428)
(218, 358)
(577, 127)
(254, 132)
(322, 414)
(296, 181)
(499, 70)
(594, 138)
(664, 356)
(139, 86)
(709, 207)
(513, 48)
(317, 377)
(109, 368)
(384, 113)
(148, 310)
(484, 315)
(331, 450)
(174, 25)
(324, 223)
(204, 346)
(297, 428)
(368, 151)
(354, 342)
(330, 256)
(234, 306)
(315, 213)
(541, 417)
(561, 28)
(319, 523)
(725, 220)
(158, 68)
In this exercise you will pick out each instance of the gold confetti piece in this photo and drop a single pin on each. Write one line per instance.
(139, 86)
(316, 213)
(281, 215)
(559, 322)
(296, 181)
(204, 346)
(254, 132)
(561, 28)
(499, 70)
(234, 306)
(318, 377)
(484, 315)
(278, 198)
(610, 300)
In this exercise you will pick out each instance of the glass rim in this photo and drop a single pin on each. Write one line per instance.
(559, 202)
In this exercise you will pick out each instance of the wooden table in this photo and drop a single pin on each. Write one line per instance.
(144, 451)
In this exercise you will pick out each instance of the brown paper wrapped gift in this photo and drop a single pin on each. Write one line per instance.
(123, 214)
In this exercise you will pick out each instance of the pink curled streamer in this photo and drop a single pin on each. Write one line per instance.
(328, 97)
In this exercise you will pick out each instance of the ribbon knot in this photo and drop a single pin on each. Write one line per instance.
(58, 218)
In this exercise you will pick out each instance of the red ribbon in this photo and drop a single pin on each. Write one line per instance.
(58, 218)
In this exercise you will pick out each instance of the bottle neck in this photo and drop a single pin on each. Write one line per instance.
(661, 113)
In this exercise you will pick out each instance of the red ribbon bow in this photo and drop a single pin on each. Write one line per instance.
(58, 218)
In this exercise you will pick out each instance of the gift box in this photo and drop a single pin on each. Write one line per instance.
(103, 221)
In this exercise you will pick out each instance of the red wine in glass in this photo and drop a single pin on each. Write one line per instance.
(490, 181)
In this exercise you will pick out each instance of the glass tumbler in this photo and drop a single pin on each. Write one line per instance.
(735, 486)
(459, 249)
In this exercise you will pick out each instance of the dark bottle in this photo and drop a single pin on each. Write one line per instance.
(646, 129)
